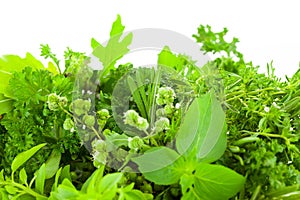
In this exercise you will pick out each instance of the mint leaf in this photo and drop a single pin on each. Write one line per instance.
(24, 156)
(207, 137)
(157, 165)
(215, 182)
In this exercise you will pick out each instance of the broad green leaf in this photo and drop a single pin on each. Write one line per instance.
(109, 183)
(66, 190)
(21, 158)
(52, 164)
(137, 195)
(65, 173)
(157, 165)
(40, 179)
(11, 189)
(91, 180)
(115, 49)
(3, 194)
(52, 68)
(167, 58)
(117, 27)
(207, 136)
(5, 104)
(216, 182)
(23, 176)
(12, 63)
(94, 43)
(155, 159)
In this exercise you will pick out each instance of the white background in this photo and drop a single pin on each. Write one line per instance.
(268, 30)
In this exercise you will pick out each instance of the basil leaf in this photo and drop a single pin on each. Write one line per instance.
(21, 158)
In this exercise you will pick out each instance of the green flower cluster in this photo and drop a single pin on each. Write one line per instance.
(69, 125)
(80, 106)
(135, 143)
(103, 116)
(99, 153)
(55, 101)
(132, 118)
(165, 96)
(162, 124)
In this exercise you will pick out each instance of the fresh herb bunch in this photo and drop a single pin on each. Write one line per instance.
(136, 124)
(262, 113)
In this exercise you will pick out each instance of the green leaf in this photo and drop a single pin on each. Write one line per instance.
(12, 63)
(66, 190)
(65, 173)
(109, 183)
(115, 48)
(155, 159)
(11, 189)
(5, 104)
(1, 175)
(207, 137)
(117, 27)
(167, 58)
(216, 182)
(94, 43)
(23, 176)
(91, 180)
(137, 195)
(24, 156)
(52, 164)
(52, 68)
(56, 179)
(40, 179)
(3, 194)
(157, 165)
(90, 185)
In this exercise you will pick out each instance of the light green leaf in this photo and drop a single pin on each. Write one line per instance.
(52, 164)
(12, 63)
(115, 49)
(155, 159)
(52, 68)
(157, 165)
(24, 156)
(23, 176)
(94, 43)
(167, 58)
(216, 182)
(65, 173)
(117, 27)
(90, 185)
(109, 183)
(11, 189)
(66, 190)
(137, 195)
(1, 175)
(3, 194)
(40, 179)
(91, 180)
(56, 179)
(207, 137)
(5, 104)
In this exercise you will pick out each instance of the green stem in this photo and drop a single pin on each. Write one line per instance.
(76, 119)
(25, 189)
(256, 193)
